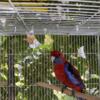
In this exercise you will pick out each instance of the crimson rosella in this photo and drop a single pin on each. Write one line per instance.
(66, 73)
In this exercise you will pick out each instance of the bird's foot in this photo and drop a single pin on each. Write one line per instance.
(63, 88)
(73, 93)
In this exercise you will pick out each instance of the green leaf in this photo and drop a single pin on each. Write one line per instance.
(3, 76)
(19, 84)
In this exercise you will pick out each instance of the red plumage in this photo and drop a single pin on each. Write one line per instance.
(62, 76)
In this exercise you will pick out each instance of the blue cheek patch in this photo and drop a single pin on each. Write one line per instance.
(58, 61)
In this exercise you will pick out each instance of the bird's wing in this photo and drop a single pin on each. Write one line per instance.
(72, 76)
(74, 71)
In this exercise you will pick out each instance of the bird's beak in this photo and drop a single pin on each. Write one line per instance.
(52, 58)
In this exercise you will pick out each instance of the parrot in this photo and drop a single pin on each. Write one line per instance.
(66, 73)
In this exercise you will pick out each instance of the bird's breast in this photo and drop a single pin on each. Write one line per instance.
(59, 70)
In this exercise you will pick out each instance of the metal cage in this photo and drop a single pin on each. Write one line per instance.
(69, 25)
(20, 70)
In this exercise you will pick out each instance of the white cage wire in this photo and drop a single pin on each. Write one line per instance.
(57, 16)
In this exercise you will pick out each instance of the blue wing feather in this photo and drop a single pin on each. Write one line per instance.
(70, 75)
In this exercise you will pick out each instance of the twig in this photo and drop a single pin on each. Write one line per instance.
(68, 92)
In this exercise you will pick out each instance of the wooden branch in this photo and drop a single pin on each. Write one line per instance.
(3, 83)
(68, 92)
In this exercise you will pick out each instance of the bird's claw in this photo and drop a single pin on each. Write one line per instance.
(73, 93)
(63, 88)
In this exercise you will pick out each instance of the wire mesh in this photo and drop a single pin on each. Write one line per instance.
(29, 67)
(73, 16)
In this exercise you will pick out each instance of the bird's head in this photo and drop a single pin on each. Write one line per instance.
(57, 56)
